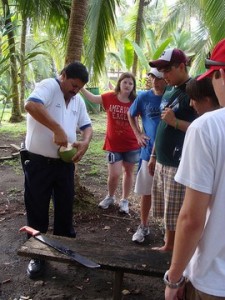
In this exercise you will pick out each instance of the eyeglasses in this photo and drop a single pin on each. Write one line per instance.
(209, 63)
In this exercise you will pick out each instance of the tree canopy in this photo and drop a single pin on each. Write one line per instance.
(38, 37)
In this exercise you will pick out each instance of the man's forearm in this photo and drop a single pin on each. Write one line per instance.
(87, 134)
(39, 113)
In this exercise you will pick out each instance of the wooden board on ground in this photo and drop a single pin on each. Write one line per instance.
(134, 258)
(129, 258)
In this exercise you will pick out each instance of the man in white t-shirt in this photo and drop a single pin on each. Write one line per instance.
(54, 113)
(199, 249)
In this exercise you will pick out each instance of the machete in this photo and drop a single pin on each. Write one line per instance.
(59, 247)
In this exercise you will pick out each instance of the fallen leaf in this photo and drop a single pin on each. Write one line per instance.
(136, 292)
(39, 283)
(6, 281)
(125, 292)
(106, 228)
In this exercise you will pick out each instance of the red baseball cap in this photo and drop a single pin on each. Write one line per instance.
(169, 57)
(216, 61)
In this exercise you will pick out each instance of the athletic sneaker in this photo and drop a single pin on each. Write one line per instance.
(124, 206)
(140, 234)
(105, 203)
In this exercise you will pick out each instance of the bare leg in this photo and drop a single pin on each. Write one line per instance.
(145, 208)
(114, 172)
(169, 242)
(128, 178)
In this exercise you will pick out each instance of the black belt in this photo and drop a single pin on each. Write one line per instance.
(41, 158)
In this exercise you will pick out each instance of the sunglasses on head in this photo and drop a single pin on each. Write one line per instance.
(209, 63)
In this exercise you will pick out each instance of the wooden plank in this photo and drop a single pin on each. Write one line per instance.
(8, 157)
(15, 147)
(131, 258)
(118, 281)
(16, 154)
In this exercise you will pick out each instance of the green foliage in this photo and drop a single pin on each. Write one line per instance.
(109, 36)
(128, 54)
(204, 23)
(161, 48)
(142, 57)
(101, 23)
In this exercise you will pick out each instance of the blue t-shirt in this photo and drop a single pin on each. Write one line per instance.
(147, 106)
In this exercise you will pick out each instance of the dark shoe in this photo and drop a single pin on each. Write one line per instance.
(35, 268)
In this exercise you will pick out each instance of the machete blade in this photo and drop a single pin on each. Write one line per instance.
(63, 249)
(59, 247)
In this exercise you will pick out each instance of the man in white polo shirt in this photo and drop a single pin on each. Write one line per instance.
(54, 112)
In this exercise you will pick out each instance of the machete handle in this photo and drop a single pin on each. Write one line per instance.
(29, 230)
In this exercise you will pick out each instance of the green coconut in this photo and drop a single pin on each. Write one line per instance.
(67, 153)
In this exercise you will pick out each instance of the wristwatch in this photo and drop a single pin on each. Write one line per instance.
(173, 285)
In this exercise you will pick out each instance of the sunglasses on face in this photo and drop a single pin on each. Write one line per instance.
(209, 63)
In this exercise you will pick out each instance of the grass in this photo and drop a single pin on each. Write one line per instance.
(93, 156)
(94, 159)
(92, 169)
(15, 164)
(98, 123)
(13, 129)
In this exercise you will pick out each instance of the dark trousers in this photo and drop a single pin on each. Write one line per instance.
(47, 178)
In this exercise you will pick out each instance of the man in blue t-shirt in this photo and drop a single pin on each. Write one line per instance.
(147, 106)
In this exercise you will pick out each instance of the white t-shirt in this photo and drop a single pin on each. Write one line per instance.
(202, 168)
(39, 138)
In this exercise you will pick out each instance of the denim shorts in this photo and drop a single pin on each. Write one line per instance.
(129, 156)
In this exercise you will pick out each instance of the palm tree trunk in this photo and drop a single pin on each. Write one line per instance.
(138, 33)
(16, 115)
(76, 30)
(22, 64)
(73, 52)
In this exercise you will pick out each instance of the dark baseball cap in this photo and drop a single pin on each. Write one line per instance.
(169, 57)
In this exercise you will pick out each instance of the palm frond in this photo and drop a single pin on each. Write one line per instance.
(101, 20)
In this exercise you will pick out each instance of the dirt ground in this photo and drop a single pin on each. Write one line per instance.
(62, 281)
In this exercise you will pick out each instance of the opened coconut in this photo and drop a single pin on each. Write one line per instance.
(67, 153)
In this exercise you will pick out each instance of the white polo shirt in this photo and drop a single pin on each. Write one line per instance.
(39, 139)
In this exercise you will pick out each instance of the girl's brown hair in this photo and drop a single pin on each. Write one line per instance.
(133, 94)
